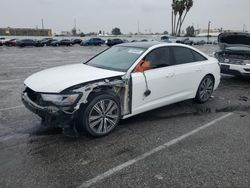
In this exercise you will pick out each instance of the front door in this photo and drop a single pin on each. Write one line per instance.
(159, 80)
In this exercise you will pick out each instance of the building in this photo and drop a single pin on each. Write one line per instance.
(66, 33)
(25, 32)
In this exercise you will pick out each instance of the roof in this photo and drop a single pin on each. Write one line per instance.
(145, 45)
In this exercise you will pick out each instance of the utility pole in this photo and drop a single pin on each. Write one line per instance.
(75, 23)
(42, 24)
(208, 30)
(244, 28)
(138, 27)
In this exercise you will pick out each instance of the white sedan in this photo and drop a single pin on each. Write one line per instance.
(118, 83)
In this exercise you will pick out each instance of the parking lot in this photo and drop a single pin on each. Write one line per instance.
(181, 145)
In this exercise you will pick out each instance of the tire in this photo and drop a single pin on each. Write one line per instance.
(100, 116)
(205, 89)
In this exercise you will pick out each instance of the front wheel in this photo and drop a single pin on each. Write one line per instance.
(205, 89)
(101, 115)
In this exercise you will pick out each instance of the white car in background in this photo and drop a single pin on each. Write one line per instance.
(234, 54)
(3, 40)
(120, 82)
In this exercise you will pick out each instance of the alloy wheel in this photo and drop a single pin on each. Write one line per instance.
(103, 116)
(206, 89)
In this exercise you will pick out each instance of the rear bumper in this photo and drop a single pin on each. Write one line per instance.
(51, 115)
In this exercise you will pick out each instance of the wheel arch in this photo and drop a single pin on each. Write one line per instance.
(116, 87)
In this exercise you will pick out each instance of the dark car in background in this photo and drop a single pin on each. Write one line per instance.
(76, 41)
(112, 42)
(186, 41)
(165, 39)
(48, 42)
(27, 42)
(63, 42)
(199, 42)
(92, 42)
(234, 53)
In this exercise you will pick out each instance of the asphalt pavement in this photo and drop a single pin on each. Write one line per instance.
(180, 145)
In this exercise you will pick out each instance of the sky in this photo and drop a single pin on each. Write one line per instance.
(95, 15)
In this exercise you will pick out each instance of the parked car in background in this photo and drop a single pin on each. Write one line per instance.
(234, 53)
(63, 42)
(112, 42)
(27, 42)
(123, 81)
(48, 42)
(3, 40)
(45, 39)
(92, 42)
(165, 39)
(76, 41)
(10, 42)
(186, 41)
(199, 42)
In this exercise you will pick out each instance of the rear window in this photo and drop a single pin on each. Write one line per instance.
(185, 55)
(182, 55)
(198, 57)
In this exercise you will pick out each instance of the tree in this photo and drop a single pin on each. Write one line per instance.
(116, 31)
(165, 33)
(82, 34)
(180, 8)
(190, 31)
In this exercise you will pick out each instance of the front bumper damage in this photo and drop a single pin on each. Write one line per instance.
(64, 117)
(235, 69)
(50, 115)
(233, 63)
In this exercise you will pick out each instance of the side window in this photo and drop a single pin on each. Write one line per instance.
(159, 57)
(198, 57)
(183, 55)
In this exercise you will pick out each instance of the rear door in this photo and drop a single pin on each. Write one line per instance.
(188, 70)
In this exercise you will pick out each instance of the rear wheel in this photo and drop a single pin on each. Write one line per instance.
(205, 89)
(101, 115)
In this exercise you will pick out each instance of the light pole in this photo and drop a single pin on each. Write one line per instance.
(208, 30)
(42, 24)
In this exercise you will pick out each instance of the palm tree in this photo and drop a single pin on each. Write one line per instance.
(179, 7)
(175, 10)
(188, 4)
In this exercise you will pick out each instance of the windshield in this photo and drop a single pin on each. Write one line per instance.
(116, 58)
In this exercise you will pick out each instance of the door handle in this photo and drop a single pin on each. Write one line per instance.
(198, 70)
(169, 75)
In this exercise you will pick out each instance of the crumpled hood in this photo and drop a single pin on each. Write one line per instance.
(55, 80)
(229, 39)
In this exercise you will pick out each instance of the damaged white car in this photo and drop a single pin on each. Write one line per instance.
(234, 54)
(120, 82)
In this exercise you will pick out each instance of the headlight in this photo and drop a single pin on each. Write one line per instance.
(61, 99)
